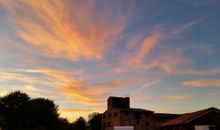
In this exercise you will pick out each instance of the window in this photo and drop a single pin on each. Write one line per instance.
(104, 124)
(126, 113)
(109, 124)
(104, 116)
(147, 123)
(109, 115)
(115, 114)
(138, 122)
(146, 114)
(137, 115)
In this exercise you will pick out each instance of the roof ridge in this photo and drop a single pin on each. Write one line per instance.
(184, 118)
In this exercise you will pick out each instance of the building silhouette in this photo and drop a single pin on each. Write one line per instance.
(207, 119)
(119, 113)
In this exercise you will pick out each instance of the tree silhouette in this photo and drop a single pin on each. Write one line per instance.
(79, 124)
(14, 100)
(39, 112)
(10, 107)
(19, 112)
(94, 121)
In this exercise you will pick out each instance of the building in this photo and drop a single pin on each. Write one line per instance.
(161, 118)
(207, 119)
(119, 113)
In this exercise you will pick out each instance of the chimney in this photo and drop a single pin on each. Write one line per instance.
(119, 102)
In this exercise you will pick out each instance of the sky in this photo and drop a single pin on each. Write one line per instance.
(163, 54)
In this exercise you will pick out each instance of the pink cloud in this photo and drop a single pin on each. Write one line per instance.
(203, 83)
(199, 72)
(179, 97)
(57, 31)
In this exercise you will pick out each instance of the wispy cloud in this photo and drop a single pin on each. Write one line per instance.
(79, 52)
(214, 71)
(30, 89)
(213, 93)
(179, 97)
(58, 31)
(64, 83)
(147, 45)
(10, 76)
(72, 110)
(184, 27)
(150, 84)
(142, 46)
(203, 83)
(198, 3)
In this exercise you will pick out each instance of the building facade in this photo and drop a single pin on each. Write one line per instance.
(119, 113)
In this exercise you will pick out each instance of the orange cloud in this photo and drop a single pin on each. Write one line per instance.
(54, 30)
(148, 43)
(199, 72)
(74, 110)
(139, 47)
(150, 84)
(4, 92)
(75, 89)
(142, 45)
(75, 113)
(203, 83)
(10, 76)
(179, 97)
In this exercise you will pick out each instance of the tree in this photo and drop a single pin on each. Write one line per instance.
(10, 105)
(39, 112)
(19, 112)
(79, 124)
(14, 100)
(95, 121)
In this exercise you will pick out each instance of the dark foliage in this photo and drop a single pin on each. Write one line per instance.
(79, 124)
(10, 107)
(94, 121)
(39, 112)
(19, 112)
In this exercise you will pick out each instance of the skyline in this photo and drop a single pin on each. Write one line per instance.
(163, 55)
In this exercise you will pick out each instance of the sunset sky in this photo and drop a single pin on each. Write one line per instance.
(163, 54)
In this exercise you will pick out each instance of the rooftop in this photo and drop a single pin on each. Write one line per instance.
(185, 118)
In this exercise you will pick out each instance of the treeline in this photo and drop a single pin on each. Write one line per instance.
(19, 112)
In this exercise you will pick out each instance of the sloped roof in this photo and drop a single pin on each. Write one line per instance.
(136, 110)
(185, 118)
(166, 115)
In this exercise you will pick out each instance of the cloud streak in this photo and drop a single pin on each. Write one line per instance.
(202, 83)
(57, 31)
(64, 83)
(179, 97)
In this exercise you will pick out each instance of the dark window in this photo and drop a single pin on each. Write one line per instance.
(147, 123)
(109, 124)
(138, 122)
(146, 114)
(126, 113)
(137, 115)
(104, 116)
(109, 115)
(115, 114)
(104, 124)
